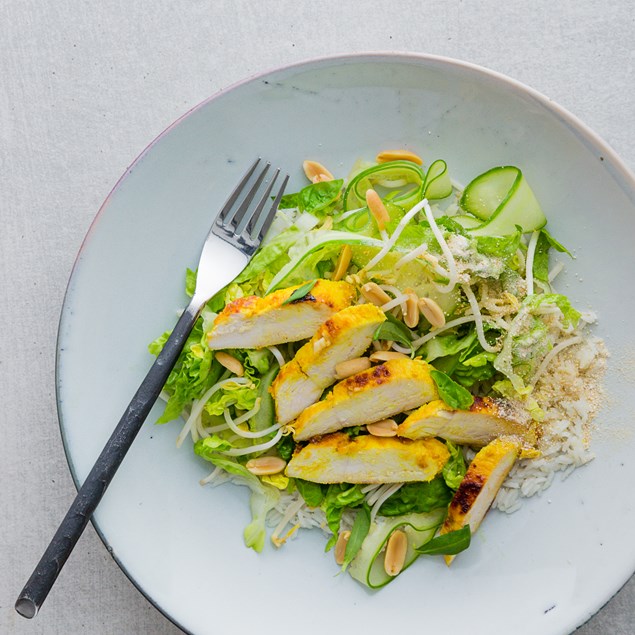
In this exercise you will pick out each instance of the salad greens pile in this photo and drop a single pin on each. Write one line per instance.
(482, 254)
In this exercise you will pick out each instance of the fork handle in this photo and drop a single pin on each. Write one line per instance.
(90, 493)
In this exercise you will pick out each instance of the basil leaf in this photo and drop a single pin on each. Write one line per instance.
(555, 244)
(541, 259)
(541, 255)
(318, 196)
(394, 330)
(454, 470)
(300, 292)
(285, 448)
(359, 531)
(312, 493)
(448, 544)
(453, 394)
(354, 431)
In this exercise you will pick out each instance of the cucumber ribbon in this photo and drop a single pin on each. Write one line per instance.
(368, 565)
(499, 201)
(434, 184)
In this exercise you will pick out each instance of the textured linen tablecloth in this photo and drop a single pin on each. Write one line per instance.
(85, 86)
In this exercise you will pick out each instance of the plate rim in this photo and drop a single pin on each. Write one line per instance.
(612, 162)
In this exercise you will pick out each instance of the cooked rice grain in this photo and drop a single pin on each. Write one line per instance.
(570, 393)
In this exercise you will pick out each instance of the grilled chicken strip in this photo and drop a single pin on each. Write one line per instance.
(374, 394)
(486, 420)
(345, 335)
(253, 322)
(484, 477)
(336, 458)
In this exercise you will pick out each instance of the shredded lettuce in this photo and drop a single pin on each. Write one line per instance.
(195, 371)
(242, 397)
(528, 339)
(209, 447)
(263, 497)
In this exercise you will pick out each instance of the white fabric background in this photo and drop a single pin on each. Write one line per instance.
(85, 86)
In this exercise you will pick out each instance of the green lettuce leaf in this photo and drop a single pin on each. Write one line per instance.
(241, 396)
(504, 247)
(338, 497)
(528, 339)
(209, 447)
(272, 256)
(195, 371)
(257, 361)
(417, 498)
(312, 493)
(570, 315)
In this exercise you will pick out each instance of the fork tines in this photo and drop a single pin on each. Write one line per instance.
(242, 224)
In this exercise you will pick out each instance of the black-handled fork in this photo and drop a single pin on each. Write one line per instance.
(241, 225)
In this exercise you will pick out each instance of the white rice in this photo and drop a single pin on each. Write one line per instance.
(569, 393)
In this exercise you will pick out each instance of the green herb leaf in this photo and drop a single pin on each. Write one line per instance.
(453, 394)
(393, 329)
(317, 197)
(300, 292)
(359, 531)
(313, 493)
(555, 244)
(314, 198)
(448, 544)
(285, 447)
(454, 470)
(541, 255)
(541, 259)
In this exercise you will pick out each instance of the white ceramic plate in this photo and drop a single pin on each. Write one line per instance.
(545, 569)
